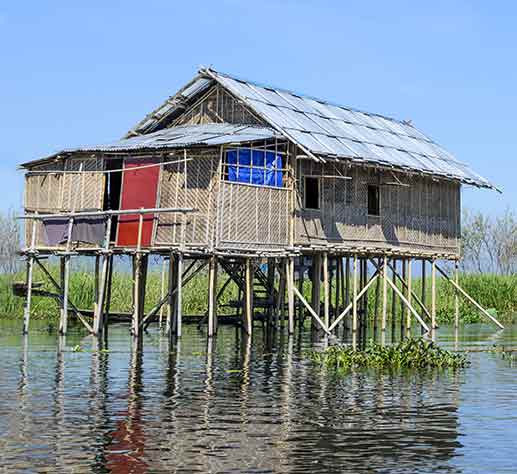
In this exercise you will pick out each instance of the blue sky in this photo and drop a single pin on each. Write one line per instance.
(84, 72)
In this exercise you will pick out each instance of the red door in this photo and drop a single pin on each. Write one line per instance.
(139, 188)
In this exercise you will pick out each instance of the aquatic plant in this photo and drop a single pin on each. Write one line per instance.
(407, 354)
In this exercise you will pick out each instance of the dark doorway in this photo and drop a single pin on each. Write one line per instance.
(112, 190)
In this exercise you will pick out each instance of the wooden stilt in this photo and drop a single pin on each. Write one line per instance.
(290, 294)
(96, 277)
(409, 295)
(393, 301)
(140, 272)
(280, 304)
(270, 289)
(212, 297)
(423, 283)
(433, 294)
(301, 277)
(337, 285)
(456, 295)
(178, 298)
(354, 300)
(163, 289)
(248, 296)
(62, 306)
(316, 284)
(326, 290)
(98, 323)
(169, 327)
(63, 322)
(377, 302)
(28, 299)
(109, 284)
(402, 308)
(384, 293)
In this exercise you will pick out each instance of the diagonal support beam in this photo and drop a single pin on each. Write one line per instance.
(58, 288)
(408, 304)
(469, 298)
(371, 281)
(186, 279)
(311, 310)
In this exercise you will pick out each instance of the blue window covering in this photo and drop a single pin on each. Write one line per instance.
(268, 176)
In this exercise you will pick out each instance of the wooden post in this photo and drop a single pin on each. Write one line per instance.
(62, 306)
(280, 303)
(270, 289)
(433, 294)
(63, 322)
(354, 300)
(98, 324)
(140, 271)
(28, 300)
(316, 284)
(178, 300)
(96, 275)
(170, 325)
(423, 282)
(290, 294)
(212, 296)
(456, 295)
(108, 295)
(301, 276)
(402, 309)
(326, 290)
(393, 301)
(409, 295)
(337, 285)
(377, 302)
(248, 296)
(163, 288)
(384, 293)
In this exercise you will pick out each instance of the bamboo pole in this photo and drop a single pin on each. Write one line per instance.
(456, 295)
(433, 294)
(178, 300)
(404, 285)
(413, 311)
(316, 283)
(108, 295)
(212, 297)
(163, 287)
(409, 295)
(169, 326)
(326, 290)
(377, 302)
(248, 296)
(63, 323)
(356, 298)
(354, 301)
(311, 310)
(270, 286)
(384, 293)
(393, 301)
(469, 298)
(282, 283)
(290, 294)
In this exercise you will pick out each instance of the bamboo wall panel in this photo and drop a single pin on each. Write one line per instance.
(83, 191)
(218, 106)
(198, 192)
(252, 216)
(423, 215)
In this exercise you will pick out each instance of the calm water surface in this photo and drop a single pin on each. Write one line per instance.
(236, 407)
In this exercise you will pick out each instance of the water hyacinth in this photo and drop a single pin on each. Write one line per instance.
(408, 354)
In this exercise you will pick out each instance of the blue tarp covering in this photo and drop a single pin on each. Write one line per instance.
(271, 175)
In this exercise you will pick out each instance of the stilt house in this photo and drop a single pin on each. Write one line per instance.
(231, 168)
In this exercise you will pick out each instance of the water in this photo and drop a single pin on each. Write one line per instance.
(257, 408)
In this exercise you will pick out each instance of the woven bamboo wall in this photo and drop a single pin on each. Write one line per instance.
(422, 216)
(58, 192)
(217, 106)
(252, 217)
(198, 192)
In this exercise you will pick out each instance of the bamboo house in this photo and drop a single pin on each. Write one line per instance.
(231, 175)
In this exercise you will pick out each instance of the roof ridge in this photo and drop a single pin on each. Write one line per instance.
(305, 96)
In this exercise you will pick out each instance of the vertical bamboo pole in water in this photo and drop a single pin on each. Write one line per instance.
(212, 296)
(354, 295)
(409, 295)
(433, 294)
(393, 301)
(290, 294)
(326, 290)
(163, 287)
(402, 305)
(456, 295)
(384, 293)
(178, 300)
(316, 285)
(248, 296)
(423, 283)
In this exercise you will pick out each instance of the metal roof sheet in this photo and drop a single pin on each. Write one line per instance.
(325, 129)
(182, 136)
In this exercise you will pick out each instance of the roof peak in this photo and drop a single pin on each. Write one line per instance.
(205, 70)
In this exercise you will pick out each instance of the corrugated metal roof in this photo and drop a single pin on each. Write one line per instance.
(182, 136)
(324, 129)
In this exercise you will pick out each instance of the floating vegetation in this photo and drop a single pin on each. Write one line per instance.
(408, 354)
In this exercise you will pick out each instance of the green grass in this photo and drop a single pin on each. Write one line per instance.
(498, 293)
(408, 354)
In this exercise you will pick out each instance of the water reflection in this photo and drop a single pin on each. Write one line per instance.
(226, 405)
